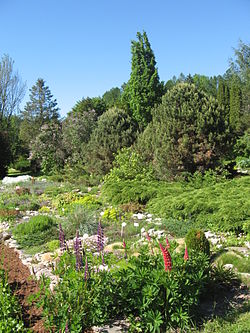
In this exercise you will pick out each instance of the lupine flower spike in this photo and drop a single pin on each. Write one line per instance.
(167, 258)
(62, 238)
(167, 244)
(86, 273)
(67, 328)
(100, 241)
(77, 248)
(148, 237)
(125, 249)
(186, 256)
(149, 240)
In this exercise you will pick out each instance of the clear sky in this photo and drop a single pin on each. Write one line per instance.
(82, 47)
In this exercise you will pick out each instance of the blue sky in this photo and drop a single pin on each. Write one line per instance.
(82, 47)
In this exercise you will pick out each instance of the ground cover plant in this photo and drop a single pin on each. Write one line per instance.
(223, 206)
(38, 230)
(10, 311)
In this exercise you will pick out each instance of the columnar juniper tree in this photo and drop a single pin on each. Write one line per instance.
(144, 88)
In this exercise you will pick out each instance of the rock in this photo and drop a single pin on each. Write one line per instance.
(15, 180)
(228, 266)
(6, 235)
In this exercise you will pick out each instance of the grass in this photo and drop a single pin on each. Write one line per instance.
(240, 263)
(236, 322)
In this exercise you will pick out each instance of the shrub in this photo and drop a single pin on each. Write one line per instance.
(22, 164)
(38, 230)
(141, 290)
(188, 132)
(196, 241)
(115, 130)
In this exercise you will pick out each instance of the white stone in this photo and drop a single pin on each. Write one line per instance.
(15, 180)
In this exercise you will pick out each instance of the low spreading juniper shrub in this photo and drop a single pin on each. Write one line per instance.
(37, 231)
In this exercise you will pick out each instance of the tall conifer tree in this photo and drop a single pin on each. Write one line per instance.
(144, 88)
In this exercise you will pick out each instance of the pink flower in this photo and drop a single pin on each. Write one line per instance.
(186, 256)
(167, 244)
(167, 258)
(148, 237)
(125, 249)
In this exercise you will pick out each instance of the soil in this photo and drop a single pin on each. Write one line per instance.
(23, 286)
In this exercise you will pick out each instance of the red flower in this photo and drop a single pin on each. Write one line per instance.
(167, 258)
(148, 237)
(167, 244)
(186, 256)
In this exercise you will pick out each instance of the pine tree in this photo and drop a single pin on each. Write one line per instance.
(144, 88)
(40, 110)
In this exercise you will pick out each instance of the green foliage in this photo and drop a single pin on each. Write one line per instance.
(143, 89)
(111, 214)
(88, 104)
(39, 110)
(196, 241)
(4, 152)
(22, 164)
(112, 97)
(128, 165)
(53, 245)
(204, 203)
(152, 299)
(47, 148)
(237, 321)
(82, 219)
(239, 261)
(115, 130)
(38, 230)
(187, 135)
(235, 105)
(10, 311)
(77, 129)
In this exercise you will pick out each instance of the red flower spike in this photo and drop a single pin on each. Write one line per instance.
(124, 244)
(186, 256)
(167, 244)
(148, 237)
(167, 258)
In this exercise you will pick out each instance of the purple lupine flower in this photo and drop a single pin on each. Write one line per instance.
(125, 249)
(66, 328)
(62, 238)
(100, 241)
(86, 273)
(77, 248)
(100, 238)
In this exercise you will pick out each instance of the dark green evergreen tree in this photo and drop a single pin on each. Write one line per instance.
(144, 88)
(40, 110)
(235, 105)
(223, 96)
(188, 132)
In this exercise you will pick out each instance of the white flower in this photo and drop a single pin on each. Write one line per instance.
(136, 224)
(102, 213)
(124, 224)
(103, 267)
(142, 230)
